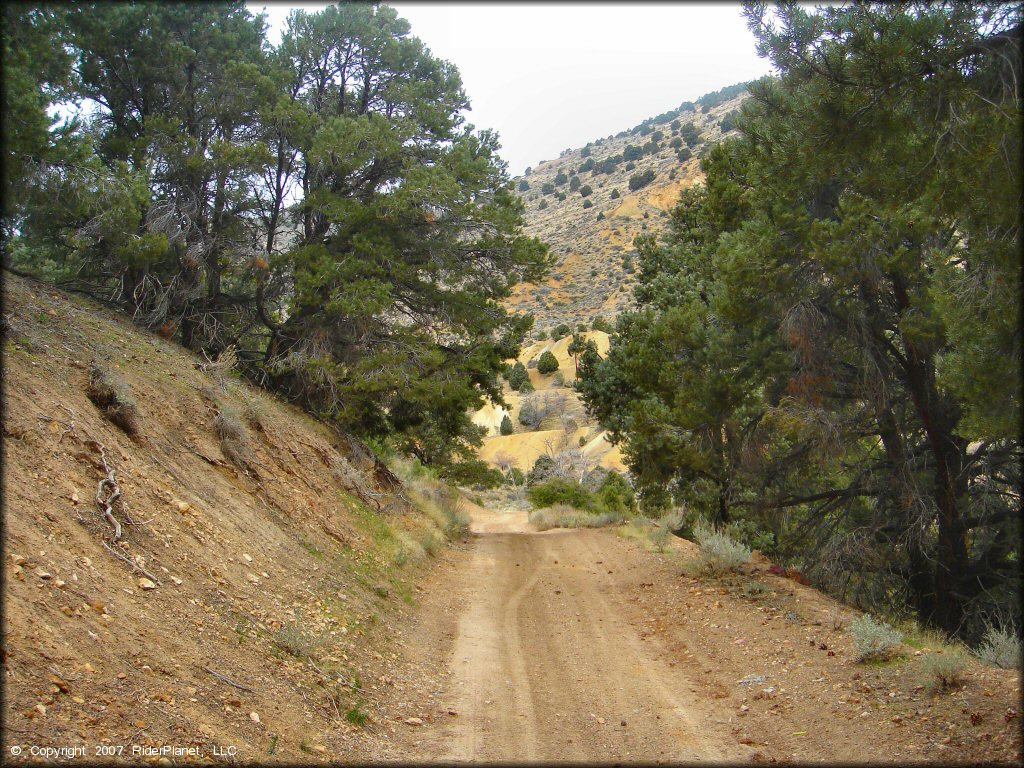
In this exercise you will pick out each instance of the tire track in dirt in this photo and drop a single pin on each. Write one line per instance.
(545, 667)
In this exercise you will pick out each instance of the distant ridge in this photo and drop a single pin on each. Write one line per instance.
(589, 203)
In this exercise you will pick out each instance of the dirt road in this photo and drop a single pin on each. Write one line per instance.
(544, 665)
(583, 646)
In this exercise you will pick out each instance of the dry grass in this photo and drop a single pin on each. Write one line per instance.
(233, 435)
(110, 395)
(565, 516)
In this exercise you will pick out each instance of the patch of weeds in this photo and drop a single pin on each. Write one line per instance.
(356, 715)
(294, 639)
(110, 395)
(873, 640)
(313, 551)
(273, 744)
(431, 543)
(942, 671)
(1001, 647)
(565, 516)
(233, 435)
(753, 589)
(305, 746)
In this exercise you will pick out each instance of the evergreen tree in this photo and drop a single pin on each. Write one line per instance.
(812, 342)
(547, 363)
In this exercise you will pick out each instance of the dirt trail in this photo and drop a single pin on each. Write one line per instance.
(545, 667)
(583, 646)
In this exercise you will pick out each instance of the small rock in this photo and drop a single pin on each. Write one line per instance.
(623, 723)
(176, 580)
(413, 721)
(254, 717)
(181, 506)
(253, 578)
(18, 559)
(744, 708)
(121, 675)
(43, 574)
(247, 557)
(146, 583)
(750, 679)
(600, 720)
(320, 748)
(41, 709)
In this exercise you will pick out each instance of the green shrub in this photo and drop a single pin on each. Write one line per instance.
(586, 190)
(558, 490)
(1001, 647)
(517, 376)
(600, 217)
(574, 184)
(524, 186)
(642, 179)
(719, 553)
(587, 204)
(547, 188)
(616, 495)
(560, 196)
(614, 195)
(561, 179)
(541, 335)
(943, 670)
(561, 331)
(472, 472)
(542, 205)
(873, 639)
(547, 363)
(506, 427)
(600, 323)
(542, 469)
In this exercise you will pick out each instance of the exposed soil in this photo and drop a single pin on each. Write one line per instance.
(585, 646)
(272, 575)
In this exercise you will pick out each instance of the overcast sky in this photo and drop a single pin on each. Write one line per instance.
(548, 77)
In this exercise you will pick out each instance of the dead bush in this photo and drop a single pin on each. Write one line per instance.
(110, 395)
(233, 435)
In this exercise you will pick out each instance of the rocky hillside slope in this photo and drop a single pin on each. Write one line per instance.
(592, 235)
(263, 571)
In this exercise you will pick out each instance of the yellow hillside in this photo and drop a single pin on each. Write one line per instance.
(524, 445)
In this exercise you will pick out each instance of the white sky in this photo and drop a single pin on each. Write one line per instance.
(548, 77)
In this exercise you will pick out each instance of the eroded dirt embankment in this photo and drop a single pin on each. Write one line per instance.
(251, 576)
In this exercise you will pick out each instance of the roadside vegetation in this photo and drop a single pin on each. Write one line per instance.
(824, 357)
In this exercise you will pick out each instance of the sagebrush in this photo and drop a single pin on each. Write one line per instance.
(873, 639)
(719, 552)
